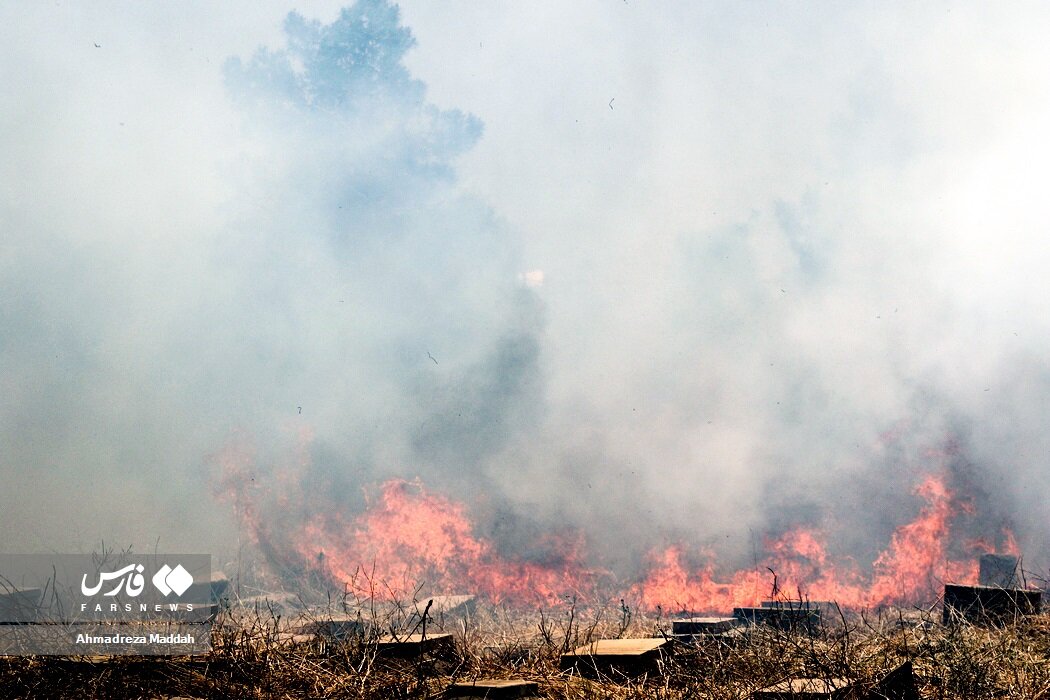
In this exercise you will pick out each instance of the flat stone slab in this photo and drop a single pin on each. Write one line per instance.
(447, 605)
(494, 689)
(821, 605)
(212, 591)
(335, 627)
(624, 656)
(415, 645)
(444, 610)
(294, 638)
(277, 603)
(620, 647)
(703, 625)
(19, 604)
(805, 689)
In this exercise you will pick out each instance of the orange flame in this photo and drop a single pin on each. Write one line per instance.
(911, 568)
(407, 537)
(410, 535)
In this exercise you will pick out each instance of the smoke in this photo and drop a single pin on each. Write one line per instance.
(697, 284)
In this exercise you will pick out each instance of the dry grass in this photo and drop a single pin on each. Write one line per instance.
(254, 657)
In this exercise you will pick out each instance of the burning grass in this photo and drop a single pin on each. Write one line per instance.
(257, 655)
(406, 533)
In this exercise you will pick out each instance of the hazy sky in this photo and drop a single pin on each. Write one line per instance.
(789, 253)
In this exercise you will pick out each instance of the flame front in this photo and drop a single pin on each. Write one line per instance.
(408, 537)
(908, 570)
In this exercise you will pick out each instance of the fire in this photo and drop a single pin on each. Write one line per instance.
(408, 537)
(910, 569)
(916, 555)
(405, 538)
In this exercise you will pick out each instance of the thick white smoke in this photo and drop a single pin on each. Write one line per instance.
(703, 274)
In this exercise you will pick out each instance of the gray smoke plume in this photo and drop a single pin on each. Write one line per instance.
(786, 271)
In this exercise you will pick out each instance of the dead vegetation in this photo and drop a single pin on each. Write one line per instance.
(270, 649)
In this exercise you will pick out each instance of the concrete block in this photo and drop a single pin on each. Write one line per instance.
(790, 619)
(986, 605)
(998, 570)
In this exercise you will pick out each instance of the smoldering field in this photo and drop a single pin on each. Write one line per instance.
(791, 271)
